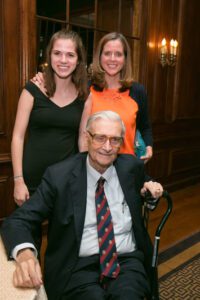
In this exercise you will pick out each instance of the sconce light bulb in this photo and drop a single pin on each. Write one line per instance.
(175, 47)
(163, 48)
(164, 42)
(175, 44)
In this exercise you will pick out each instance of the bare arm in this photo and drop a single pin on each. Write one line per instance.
(86, 113)
(28, 272)
(148, 155)
(22, 118)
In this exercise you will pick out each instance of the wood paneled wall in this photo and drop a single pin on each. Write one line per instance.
(174, 93)
(17, 63)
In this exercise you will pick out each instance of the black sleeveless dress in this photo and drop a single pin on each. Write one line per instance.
(52, 135)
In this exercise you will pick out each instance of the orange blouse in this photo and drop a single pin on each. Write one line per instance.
(124, 105)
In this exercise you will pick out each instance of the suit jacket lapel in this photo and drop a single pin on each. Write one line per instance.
(78, 187)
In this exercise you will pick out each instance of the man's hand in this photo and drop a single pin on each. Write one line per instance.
(28, 272)
(154, 188)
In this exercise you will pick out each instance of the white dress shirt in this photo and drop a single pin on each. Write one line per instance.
(121, 218)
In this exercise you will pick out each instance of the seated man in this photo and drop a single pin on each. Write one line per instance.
(97, 246)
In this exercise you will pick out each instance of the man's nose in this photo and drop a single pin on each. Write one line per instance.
(107, 146)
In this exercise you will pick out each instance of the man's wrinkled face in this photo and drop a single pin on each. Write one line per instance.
(104, 141)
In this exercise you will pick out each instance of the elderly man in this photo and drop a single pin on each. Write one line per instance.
(97, 246)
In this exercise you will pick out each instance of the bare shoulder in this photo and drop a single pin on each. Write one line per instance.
(26, 95)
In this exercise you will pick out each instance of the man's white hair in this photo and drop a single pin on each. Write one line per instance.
(106, 115)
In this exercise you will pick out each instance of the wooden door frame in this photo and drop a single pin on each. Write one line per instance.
(18, 64)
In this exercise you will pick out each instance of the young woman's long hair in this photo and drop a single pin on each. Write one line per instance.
(97, 72)
(79, 75)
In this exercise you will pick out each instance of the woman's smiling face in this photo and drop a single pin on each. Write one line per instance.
(64, 57)
(112, 58)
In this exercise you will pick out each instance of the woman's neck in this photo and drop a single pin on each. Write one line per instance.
(65, 91)
(63, 84)
(113, 82)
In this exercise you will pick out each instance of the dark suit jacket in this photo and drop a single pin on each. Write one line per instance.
(61, 198)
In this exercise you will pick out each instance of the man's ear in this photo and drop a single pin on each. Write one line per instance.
(86, 135)
(86, 139)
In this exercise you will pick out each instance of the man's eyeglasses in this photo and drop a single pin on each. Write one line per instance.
(99, 139)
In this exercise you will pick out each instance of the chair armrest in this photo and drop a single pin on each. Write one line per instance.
(7, 289)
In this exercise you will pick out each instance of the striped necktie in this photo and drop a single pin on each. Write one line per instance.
(107, 248)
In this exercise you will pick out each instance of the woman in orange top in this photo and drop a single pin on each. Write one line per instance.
(112, 88)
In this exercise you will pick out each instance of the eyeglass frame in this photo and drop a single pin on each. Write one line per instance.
(119, 140)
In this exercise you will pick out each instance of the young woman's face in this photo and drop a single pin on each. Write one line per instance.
(112, 58)
(64, 57)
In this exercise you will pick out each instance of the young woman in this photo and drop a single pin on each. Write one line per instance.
(51, 115)
(112, 88)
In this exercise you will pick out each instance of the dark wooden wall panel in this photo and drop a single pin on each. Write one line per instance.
(17, 64)
(6, 204)
(9, 92)
(189, 64)
(184, 160)
(158, 168)
(105, 20)
(126, 19)
(174, 96)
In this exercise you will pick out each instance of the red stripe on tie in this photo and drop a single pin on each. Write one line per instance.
(103, 256)
(105, 235)
(107, 269)
(99, 192)
(99, 208)
(101, 223)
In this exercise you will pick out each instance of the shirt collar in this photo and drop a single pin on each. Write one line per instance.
(94, 175)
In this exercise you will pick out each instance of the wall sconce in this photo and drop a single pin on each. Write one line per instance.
(42, 66)
(170, 59)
